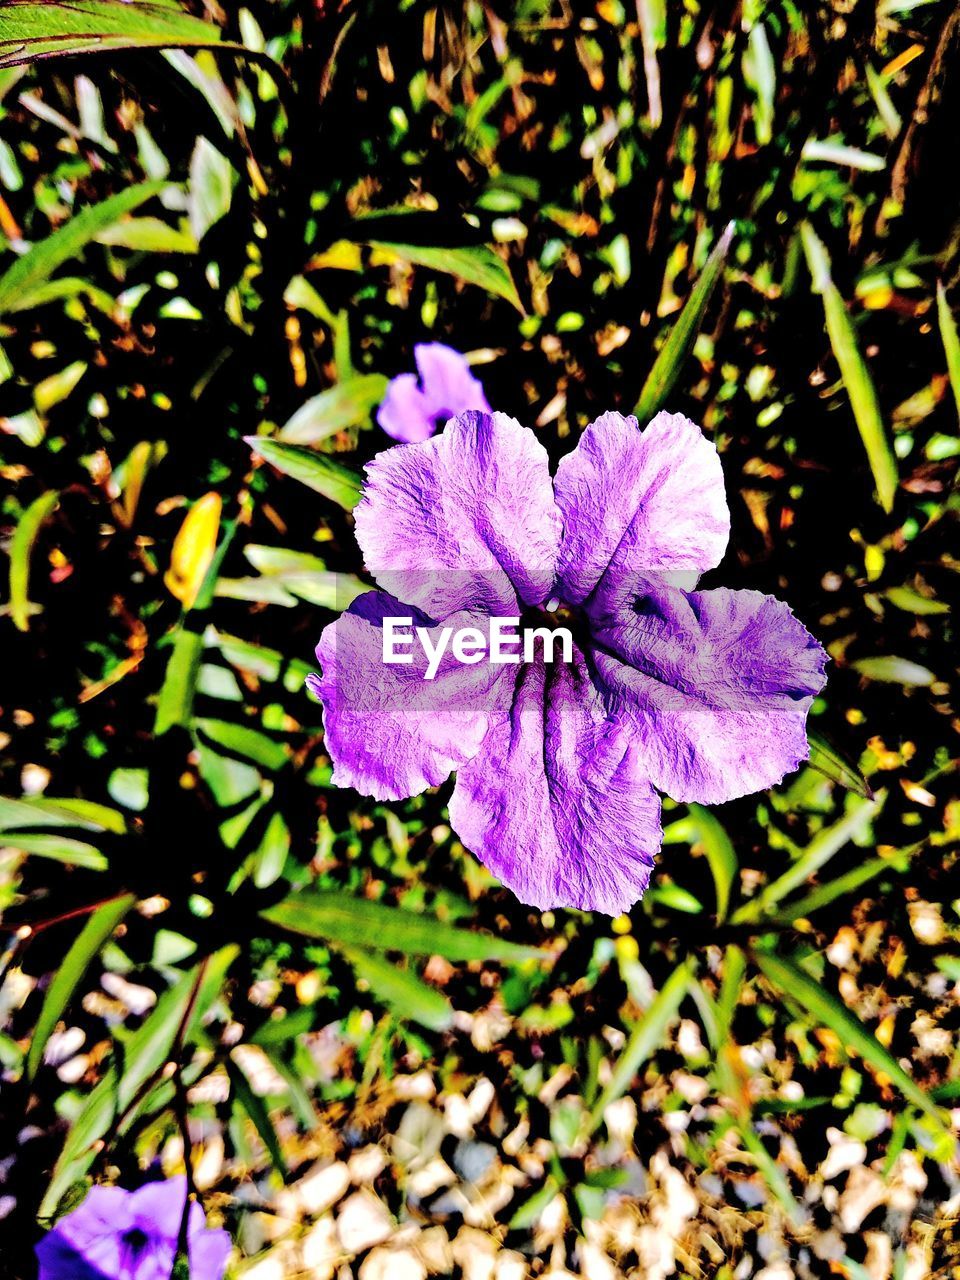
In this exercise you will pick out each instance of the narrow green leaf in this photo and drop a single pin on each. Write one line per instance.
(21, 547)
(893, 670)
(720, 853)
(853, 369)
(826, 759)
(672, 356)
(54, 28)
(838, 153)
(648, 1035)
(176, 1016)
(211, 188)
(531, 1210)
(824, 845)
(849, 882)
(317, 471)
(242, 740)
(20, 282)
(406, 993)
(147, 235)
(911, 601)
(54, 811)
(951, 341)
(347, 404)
(75, 853)
(475, 264)
(826, 1009)
(271, 856)
(74, 965)
(341, 919)
(256, 1109)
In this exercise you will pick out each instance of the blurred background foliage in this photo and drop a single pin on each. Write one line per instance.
(213, 261)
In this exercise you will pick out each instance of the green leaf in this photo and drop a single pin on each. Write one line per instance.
(241, 740)
(175, 1018)
(271, 857)
(838, 153)
(672, 356)
(50, 811)
(849, 882)
(475, 264)
(532, 1209)
(50, 28)
(316, 470)
(853, 370)
(21, 547)
(147, 235)
(826, 759)
(348, 403)
(75, 853)
(720, 853)
(951, 341)
(211, 188)
(256, 1109)
(893, 670)
(648, 1035)
(21, 282)
(824, 845)
(341, 919)
(74, 965)
(827, 1010)
(911, 601)
(407, 994)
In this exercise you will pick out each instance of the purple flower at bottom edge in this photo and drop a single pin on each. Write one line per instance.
(413, 410)
(131, 1235)
(702, 695)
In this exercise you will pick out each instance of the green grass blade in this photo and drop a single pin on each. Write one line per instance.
(318, 471)
(950, 339)
(673, 354)
(343, 920)
(826, 1009)
(817, 854)
(30, 273)
(31, 30)
(827, 760)
(648, 1035)
(74, 853)
(175, 1018)
(853, 370)
(720, 854)
(406, 993)
(849, 882)
(256, 1109)
(21, 547)
(70, 973)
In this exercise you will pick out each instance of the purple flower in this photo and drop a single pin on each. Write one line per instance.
(413, 410)
(131, 1235)
(702, 695)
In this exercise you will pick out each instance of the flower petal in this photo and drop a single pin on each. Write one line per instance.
(448, 385)
(553, 803)
(466, 520)
(716, 686)
(404, 412)
(158, 1206)
(390, 732)
(634, 502)
(209, 1251)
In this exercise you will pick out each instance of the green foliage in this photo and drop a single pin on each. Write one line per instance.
(222, 237)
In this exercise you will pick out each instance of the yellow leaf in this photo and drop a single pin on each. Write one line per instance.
(193, 549)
